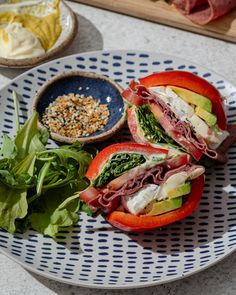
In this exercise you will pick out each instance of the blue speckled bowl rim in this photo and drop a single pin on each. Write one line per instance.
(92, 138)
(119, 287)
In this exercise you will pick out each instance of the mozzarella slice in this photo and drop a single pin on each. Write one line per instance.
(179, 107)
(196, 173)
(202, 129)
(172, 182)
(138, 201)
(221, 135)
(185, 112)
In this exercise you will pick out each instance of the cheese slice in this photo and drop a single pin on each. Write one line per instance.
(186, 112)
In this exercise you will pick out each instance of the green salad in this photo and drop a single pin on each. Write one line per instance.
(38, 186)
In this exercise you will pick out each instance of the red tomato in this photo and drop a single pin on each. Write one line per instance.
(133, 127)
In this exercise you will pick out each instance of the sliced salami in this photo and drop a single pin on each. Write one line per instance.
(204, 11)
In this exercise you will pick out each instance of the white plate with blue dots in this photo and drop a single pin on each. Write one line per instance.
(93, 253)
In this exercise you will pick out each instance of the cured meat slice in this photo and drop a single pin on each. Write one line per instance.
(204, 11)
(109, 200)
(110, 197)
(176, 129)
(188, 5)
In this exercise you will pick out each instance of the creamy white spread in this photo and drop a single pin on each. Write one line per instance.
(18, 43)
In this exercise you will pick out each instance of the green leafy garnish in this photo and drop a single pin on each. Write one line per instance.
(38, 186)
(118, 165)
(150, 126)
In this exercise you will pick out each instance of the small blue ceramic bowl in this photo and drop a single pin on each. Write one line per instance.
(98, 86)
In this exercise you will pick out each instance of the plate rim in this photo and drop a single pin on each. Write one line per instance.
(118, 286)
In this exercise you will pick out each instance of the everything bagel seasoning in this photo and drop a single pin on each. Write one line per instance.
(75, 115)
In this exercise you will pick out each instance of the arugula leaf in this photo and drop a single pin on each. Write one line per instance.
(22, 181)
(25, 165)
(118, 165)
(8, 149)
(58, 209)
(41, 176)
(49, 223)
(36, 145)
(25, 135)
(153, 131)
(39, 187)
(13, 205)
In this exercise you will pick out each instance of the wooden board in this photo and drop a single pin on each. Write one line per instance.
(163, 13)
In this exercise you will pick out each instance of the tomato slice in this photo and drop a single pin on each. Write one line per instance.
(191, 82)
(100, 159)
(175, 162)
(134, 223)
(133, 127)
(89, 194)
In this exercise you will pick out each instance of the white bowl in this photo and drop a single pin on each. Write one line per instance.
(69, 26)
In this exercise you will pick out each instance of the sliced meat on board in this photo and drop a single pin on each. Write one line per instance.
(204, 11)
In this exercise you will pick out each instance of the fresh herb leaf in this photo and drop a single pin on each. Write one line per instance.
(8, 149)
(13, 206)
(39, 187)
(150, 126)
(58, 209)
(118, 165)
(25, 135)
(41, 176)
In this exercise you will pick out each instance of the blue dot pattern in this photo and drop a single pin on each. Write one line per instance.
(94, 254)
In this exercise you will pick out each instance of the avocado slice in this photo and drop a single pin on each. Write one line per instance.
(193, 98)
(161, 207)
(182, 190)
(209, 118)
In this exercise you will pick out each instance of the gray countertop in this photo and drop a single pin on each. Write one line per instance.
(106, 30)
